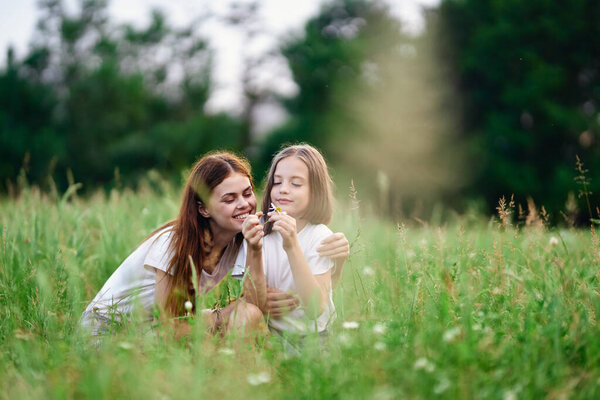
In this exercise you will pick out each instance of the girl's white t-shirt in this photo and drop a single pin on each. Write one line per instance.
(133, 283)
(279, 275)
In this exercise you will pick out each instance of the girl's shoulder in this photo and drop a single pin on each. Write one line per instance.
(316, 232)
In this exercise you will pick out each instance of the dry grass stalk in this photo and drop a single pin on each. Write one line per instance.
(505, 210)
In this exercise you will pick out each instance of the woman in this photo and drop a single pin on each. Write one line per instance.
(203, 240)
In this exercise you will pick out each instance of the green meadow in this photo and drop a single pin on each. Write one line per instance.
(471, 308)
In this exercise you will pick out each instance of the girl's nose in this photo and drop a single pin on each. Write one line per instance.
(283, 187)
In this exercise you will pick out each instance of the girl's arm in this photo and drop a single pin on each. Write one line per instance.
(312, 289)
(335, 247)
(255, 282)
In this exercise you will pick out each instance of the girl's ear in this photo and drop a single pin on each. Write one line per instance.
(202, 210)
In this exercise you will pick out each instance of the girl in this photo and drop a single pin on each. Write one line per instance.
(299, 194)
(218, 196)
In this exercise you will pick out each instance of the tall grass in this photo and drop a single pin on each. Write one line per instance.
(475, 308)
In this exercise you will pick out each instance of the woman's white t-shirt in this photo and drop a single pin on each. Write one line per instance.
(132, 285)
(279, 275)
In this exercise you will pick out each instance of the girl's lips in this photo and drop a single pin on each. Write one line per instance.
(283, 201)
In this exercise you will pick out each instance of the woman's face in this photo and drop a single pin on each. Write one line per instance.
(230, 203)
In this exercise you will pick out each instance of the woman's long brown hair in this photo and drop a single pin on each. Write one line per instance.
(191, 233)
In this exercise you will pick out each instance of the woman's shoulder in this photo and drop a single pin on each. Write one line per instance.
(157, 247)
(160, 237)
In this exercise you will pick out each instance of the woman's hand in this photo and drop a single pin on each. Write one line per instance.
(286, 226)
(335, 246)
(280, 303)
(253, 231)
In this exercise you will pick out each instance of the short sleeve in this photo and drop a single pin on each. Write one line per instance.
(159, 254)
(317, 263)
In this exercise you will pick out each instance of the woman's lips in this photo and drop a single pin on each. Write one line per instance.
(283, 201)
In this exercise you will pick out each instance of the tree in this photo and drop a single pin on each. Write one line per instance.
(114, 97)
(530, 74)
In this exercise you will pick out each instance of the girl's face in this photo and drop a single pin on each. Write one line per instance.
(230, 203)
(291, 191)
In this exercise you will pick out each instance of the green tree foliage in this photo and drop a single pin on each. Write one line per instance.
(326, 61)
(530, 72)
(96, 97)
(27, 139)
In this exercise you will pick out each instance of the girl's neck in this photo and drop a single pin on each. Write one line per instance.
(300, 224)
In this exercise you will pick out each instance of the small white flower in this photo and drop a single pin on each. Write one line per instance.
(424, 364)
(553, 241)
(451, 334)
(442, 386)
(226, 351)
(350, 325)
(188, 306)
(379, 328)
(259, 378)
(368, 271)
(509, 395)
(380, 346)
(125, 345)
(145, 211)
(344, 339)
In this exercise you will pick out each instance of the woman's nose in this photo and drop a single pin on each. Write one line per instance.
(242, 202)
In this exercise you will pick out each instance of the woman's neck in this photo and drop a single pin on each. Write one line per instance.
(221, 238)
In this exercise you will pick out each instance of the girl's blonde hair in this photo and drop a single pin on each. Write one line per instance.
(320, 207)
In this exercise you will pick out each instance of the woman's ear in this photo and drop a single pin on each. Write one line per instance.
(202, 210)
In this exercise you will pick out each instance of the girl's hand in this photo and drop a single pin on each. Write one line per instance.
(253, 231)
(286, 226)
(335, 246)
(280, 303)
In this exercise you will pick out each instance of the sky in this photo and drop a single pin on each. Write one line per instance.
(281, 18)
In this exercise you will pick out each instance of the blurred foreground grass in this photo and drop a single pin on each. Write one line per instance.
(465, 310)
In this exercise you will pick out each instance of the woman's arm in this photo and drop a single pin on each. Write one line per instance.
(161, 293)
(255, 282)
(161, 289)
(337, 248)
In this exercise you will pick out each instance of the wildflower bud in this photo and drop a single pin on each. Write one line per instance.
(188, 306)
(553, 241)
